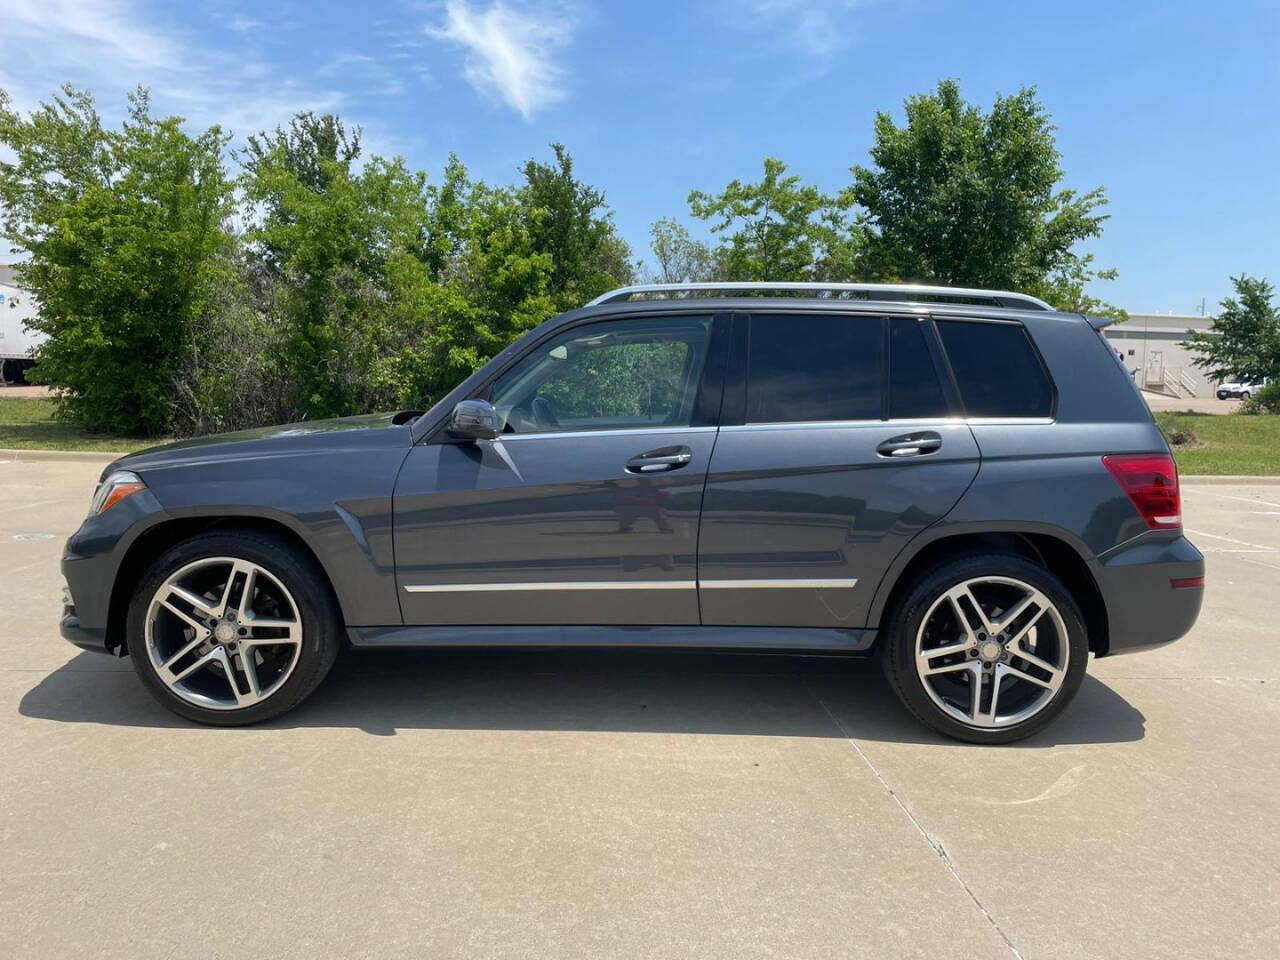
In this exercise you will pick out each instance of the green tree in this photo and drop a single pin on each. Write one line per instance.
(680, 258)
(127, 245)
(971, 198)
(569, 221)
(501, 260)
(1245, 335)
(490, 282)
(341, 245)
(779, 229)
(315, 148)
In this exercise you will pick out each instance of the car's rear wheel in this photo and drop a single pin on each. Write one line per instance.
(986, 649)
(1244, 394)
(232, 628)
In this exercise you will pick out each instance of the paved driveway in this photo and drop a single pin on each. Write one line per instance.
(643, 804)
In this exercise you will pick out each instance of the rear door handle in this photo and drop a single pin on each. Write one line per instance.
(911, 445)
(664, 458)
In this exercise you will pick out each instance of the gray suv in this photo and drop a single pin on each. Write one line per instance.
(962, 482)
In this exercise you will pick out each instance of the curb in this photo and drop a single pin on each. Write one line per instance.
(65, 456)
(1224, 479)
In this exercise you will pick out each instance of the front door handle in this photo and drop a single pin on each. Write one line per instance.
(910, 445)
(664, 458)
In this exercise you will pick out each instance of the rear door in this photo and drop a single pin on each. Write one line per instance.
(585, 509)
(839, 443)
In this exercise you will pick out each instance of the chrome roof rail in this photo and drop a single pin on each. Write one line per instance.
(867, 291)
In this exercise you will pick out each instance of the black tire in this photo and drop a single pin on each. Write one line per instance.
(901, 624)
(316, 610)
(1244, 394)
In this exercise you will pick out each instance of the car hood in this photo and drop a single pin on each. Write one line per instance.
(347, 433)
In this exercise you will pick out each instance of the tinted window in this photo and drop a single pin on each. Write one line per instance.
(914, 390)
(603, 376)
(998, 371)
(804, 368)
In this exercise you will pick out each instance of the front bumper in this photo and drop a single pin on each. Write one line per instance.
(72, 630)
(90, 563)
(1145, 609)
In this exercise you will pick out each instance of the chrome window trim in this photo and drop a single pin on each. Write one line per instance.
(801, 425)
(618, 432)
(907, 422)
(1012, 421)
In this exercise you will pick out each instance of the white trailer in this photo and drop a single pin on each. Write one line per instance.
(17, 343)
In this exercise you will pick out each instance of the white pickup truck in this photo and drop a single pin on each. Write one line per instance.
(16, 342)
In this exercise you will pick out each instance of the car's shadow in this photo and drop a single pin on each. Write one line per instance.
(649, 691)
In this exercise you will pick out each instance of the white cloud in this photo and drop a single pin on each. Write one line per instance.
(345, 63)
(99, 28)
(816, 27)
(511, 54)
(111, 46)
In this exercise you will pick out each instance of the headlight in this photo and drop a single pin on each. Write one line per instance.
(115, 488)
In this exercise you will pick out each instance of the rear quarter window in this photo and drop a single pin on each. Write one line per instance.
(997, 369)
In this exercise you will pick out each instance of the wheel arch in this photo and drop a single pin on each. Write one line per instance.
(159, 537)
(1051, 549)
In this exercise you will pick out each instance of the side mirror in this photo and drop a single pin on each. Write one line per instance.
(473, 420)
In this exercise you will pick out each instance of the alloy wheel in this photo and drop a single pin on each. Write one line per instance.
(992, 651)
(223, 633)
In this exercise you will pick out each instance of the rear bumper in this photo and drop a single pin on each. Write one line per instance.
(1145, 609)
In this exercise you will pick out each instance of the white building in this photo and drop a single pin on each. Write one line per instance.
(1149, 344)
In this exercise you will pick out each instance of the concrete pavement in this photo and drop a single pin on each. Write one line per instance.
(1158, 401)
(638, 804)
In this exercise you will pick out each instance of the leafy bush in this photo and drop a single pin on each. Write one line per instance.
(127, 240)
(332, 283)
(1266, 400)
(338, 285)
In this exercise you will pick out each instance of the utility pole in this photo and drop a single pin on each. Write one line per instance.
(1202, 306)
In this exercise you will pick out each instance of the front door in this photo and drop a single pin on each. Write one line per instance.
(585, 509)
(838, 445)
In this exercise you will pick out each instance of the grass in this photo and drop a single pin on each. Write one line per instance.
(1219, 444)
(27, 424)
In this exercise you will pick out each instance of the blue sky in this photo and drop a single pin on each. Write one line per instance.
(1172, 106)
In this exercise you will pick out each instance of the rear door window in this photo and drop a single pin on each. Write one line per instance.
(914, 389)
(805, 368)
(998, 371)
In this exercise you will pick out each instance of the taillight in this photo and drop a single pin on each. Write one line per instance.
(1151, 481)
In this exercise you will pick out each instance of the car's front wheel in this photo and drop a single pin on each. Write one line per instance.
(987, 649)
(232, 628)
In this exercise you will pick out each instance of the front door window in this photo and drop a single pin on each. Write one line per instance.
(624, 374)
